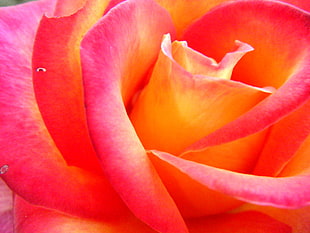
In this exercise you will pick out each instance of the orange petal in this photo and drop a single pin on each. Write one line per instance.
(184, 12)
(283, 143)
(177, 108)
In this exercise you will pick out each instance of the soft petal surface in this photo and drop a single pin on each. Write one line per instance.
(57, 81)
(272, 26)
(6, 208)
(284, 192)
(284, 140)
(116, 54)
(243, 222)
(189, 96)
(36, 169)
(30, 218)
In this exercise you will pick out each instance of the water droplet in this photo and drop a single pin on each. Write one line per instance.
(4, 169)
(41, 69)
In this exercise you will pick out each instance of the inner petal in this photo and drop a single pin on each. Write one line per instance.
(179, 106)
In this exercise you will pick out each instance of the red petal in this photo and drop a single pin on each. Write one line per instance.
(280, 37)
(36, 169)
(249, 221)
(116, 54)
(284, 192)
(57, 82)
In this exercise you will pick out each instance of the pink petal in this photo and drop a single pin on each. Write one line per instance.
(116, 55)
(281, 43)
(284, 192)
(36, 169)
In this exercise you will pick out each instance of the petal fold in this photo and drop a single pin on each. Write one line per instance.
(283, 192)
(116, 55)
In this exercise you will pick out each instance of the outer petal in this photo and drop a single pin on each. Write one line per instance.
(284, 192)
(36, 169)
(29, 218)
(116, 55)
(6, 206)
(189, 97)
(287, 62)
(250, 221)
(57, 82)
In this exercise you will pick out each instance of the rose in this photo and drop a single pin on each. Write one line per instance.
(47, 157)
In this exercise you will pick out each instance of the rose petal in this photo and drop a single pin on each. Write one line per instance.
(297, 219)
(283, 141)
(249, 221)
(30, 218)
(116, 54)
(36, 169)
(287, 62)
(185, 12)
(68, 7)
(58, 85)
(284, 192)
(300, 161)
(177, 108)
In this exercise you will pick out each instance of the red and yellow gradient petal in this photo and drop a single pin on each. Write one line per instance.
(36, 169)
(280, 37)
(34, 219)
(243, 222)
(178, 107)
(116, 55)
(57, 81)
